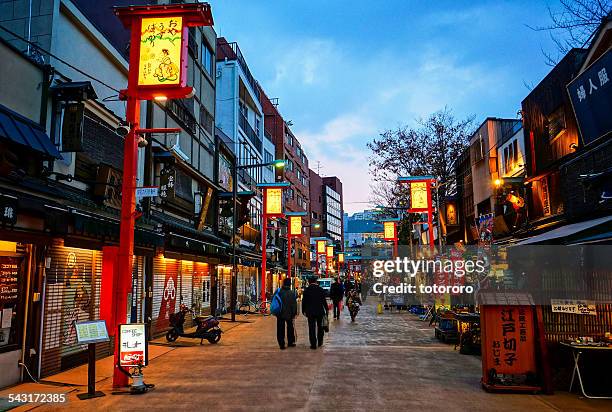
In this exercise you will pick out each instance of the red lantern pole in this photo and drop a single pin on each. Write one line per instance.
(289, 252)
(432, 242)
(264, 246)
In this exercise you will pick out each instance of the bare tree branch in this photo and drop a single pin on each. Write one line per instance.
(573, 24)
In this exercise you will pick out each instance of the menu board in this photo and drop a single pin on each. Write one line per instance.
(9, 272)
(91, 331)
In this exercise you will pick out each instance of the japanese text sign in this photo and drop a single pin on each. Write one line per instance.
(340, 257)
(576, 307)
(329, 251)
(132, 345)
(160, 51)
(389, 230)
(591, 97)
(295, 225)
(274, 201)
(451, 214)
(508, 345)
(321, 247)
(419, 196)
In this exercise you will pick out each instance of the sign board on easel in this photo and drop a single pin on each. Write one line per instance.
(91, 332)
(133, 348)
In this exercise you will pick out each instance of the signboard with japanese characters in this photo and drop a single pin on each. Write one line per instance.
(389, 230)
(295, 225)
(508, 343)
(329, 252)
(321, 247)
(419, 196)
(160, 51)
(274, 201)
(340, 257)
(9, 272)
(167, 183)
(147, 191)
(8, 210)
(133, 345)
(451, 214)
(91, 331)
(591, 96)
(576, 307)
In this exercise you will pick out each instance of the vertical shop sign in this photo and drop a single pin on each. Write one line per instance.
(509, 347)
(133, 345)
(168, 296)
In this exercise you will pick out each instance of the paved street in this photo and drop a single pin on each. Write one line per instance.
(380, 362)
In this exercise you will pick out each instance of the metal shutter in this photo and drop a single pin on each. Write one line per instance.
(201, 287)
(186, 279)
(165, 276)
(72, 293)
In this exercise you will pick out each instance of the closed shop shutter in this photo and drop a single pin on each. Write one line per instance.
(201, 288)
(165, 284)
(223, 288)
(186, 283)
(137, 288)
(72, 293)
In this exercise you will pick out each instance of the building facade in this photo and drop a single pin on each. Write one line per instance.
(297, 197)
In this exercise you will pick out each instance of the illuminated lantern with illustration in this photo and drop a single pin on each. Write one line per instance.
(295, 229)
(272, 194)
(420, 199)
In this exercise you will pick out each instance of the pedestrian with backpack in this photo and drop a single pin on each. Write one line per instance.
(314, 307)
(284, 307)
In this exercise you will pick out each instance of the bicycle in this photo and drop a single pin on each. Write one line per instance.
(261, 307)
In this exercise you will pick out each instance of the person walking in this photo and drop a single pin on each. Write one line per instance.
(336, 293)
(314, 307)
(286, 316)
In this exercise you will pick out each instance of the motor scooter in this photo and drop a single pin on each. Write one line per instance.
(207, 327)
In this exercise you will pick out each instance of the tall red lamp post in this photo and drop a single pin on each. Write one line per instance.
(390, 233)
(329, 257)
(272, 207)
(295, 229)
(420, 199)
(157, 70)
(320, 244)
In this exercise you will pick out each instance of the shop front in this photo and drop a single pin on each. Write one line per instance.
(179, 280)
(185, 273)
(16, 265)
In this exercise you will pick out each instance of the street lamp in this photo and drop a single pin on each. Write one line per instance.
(278, 164)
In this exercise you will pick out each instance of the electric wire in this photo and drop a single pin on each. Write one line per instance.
(36, 46)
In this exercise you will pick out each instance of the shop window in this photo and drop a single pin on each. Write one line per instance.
(12, 273)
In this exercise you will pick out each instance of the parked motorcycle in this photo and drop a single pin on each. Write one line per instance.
(207, 327)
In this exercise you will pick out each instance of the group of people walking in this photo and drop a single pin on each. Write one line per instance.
(314, 307)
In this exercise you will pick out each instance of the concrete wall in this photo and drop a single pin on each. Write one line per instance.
(23, 92)
(28, 16)
(11, 372)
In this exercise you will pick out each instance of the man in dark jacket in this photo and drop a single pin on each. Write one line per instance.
(336, 293)
(314, 307)
(286, 316)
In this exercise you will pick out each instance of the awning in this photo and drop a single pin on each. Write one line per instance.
(566, 231)
(25, 132)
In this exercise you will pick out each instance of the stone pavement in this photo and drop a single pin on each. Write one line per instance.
(380, 362)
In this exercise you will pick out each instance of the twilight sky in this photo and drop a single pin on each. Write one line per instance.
(346, 70)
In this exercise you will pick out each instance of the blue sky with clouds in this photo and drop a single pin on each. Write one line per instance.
(346, 70)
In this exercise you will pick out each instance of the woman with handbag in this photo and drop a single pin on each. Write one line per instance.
(314, 307)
